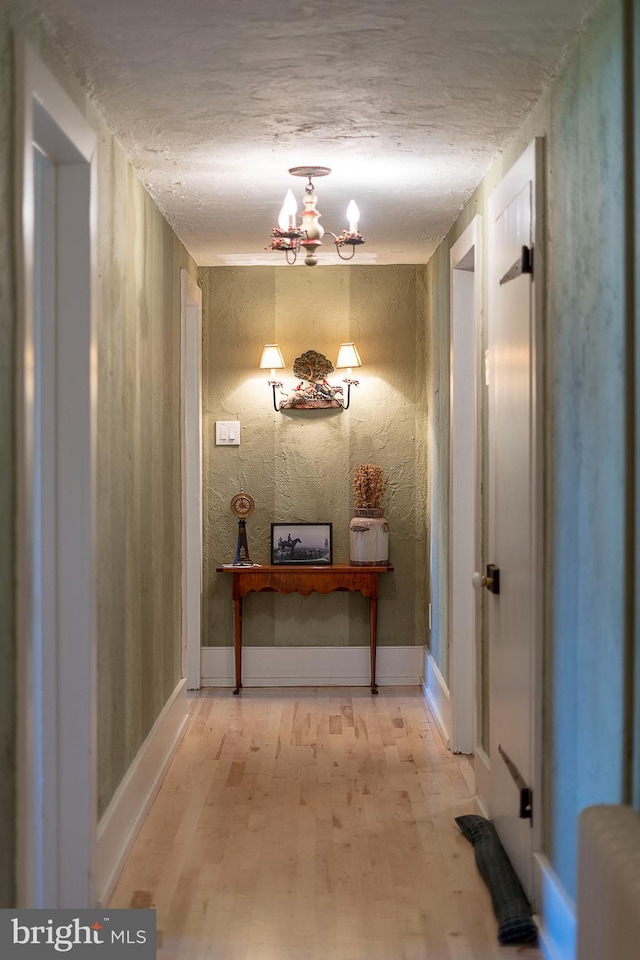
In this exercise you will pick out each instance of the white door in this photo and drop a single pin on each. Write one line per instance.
(514, 516)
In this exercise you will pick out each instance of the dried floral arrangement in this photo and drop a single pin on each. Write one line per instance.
(369, 485)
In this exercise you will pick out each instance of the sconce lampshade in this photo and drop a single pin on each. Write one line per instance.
(272, 358)
(348, 356)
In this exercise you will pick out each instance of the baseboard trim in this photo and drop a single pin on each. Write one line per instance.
(438, 697)
(480, 807)
(124, 816)
(311, 666)
(483, 773)
(556, 914)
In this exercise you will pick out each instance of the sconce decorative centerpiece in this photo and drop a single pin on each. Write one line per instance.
(288, 236)
(313, 392)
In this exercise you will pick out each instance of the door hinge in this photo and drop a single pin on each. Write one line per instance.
(524, 264)
(526, 793)
(526, 804)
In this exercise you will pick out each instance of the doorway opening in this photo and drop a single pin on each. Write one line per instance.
(56, 437)
(465, 485)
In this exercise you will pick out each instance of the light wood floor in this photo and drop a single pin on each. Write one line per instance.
(312, 824)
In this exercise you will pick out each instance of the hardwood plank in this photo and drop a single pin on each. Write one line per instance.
(312, 823)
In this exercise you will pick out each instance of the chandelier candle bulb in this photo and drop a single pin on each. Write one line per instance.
(290, 208)
(353, 215)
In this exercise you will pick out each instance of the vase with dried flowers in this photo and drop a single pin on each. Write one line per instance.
(368, 530)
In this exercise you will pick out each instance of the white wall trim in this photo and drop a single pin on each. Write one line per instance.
(438, 696)
(311, 666)
(56, 389)
(479, 806)
(556, 914)
(465, 278)
(191, 463)
(131, 802)
(482, 771)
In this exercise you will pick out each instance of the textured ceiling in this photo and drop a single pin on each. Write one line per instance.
(408, 101)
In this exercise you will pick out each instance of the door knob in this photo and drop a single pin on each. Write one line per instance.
(491, 581)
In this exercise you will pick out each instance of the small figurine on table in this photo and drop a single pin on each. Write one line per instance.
(242, 506)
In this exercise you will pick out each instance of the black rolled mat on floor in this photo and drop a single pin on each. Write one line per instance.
(510, 905)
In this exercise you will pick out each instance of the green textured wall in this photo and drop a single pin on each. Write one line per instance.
(139, 483)
(581, 116)
(586, 385)
(299, 465)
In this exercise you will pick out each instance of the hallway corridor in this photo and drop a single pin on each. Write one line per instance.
(312, 824)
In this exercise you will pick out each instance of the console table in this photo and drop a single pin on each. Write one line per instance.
(304, 579)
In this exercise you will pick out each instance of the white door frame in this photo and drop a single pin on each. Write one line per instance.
(56, 473)
(191, 456)
(465, 511)
(529, 167)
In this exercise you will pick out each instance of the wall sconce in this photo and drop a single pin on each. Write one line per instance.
(312, 369)
(348, 357)
(273, 360)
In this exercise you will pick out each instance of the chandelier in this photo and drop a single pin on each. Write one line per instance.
(288, 236)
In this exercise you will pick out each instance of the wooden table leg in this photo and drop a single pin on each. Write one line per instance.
(237, 623)
(373, 639)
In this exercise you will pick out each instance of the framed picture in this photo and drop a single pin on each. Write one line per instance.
(310, 543)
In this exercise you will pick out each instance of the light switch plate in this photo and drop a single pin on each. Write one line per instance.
(227, 433)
